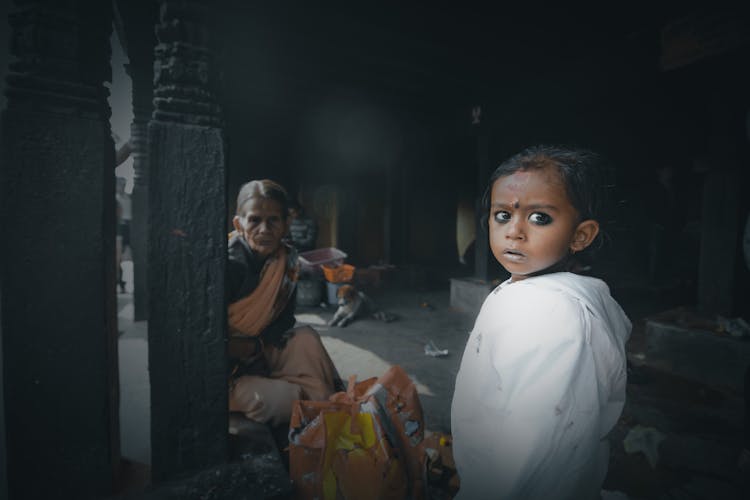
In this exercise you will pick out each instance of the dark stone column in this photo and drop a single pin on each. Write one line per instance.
(348, 211)
(397, 205)
(57, 245)
(482, 243)
(719, 223)
(468, 294)
(3, 453)
(720, 206)
(391, 195)
(142, 77)
(130, 19)
(187, 249)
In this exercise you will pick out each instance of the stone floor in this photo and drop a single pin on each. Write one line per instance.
(701, 425)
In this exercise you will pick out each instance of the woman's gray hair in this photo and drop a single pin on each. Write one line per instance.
(263, 188)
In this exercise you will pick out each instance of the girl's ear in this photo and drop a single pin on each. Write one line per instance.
(584, 235)
(237, 224)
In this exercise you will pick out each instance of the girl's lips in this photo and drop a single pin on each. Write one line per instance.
(513, 255)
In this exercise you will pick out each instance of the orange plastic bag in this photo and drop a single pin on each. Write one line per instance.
(365, 443)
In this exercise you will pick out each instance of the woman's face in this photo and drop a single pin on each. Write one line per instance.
(262, 223)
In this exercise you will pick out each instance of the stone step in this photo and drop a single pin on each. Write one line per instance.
(712, 358)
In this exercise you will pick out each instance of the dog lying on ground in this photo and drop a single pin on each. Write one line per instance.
(353, 304)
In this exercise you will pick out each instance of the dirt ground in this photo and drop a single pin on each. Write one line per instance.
(701, 426)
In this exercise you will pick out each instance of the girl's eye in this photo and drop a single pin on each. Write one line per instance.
(540, 218)
(502, 216)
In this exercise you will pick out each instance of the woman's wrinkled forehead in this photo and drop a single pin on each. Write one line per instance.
(258, 203)
(243, 204)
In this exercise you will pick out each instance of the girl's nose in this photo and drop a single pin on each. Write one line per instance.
(514, 229)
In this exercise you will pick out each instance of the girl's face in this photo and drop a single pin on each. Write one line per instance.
(533, 224)
(262, 224)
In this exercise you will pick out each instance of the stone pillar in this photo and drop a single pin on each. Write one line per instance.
(398, 204)
(142, 78)
(187, 248)
(719, 236)
(130, 20)
(482, 244)
(720, 208)
(57, 253)
(468, 294)
(3, 453)
(389, 210)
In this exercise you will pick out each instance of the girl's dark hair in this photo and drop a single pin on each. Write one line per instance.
(263, 188)
(586, 176)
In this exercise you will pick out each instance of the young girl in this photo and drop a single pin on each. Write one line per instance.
(542, 379)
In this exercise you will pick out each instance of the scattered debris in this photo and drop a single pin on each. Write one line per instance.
(442, 478)
(736, 327)
(646, 440)
(684, 317)
(386, 317)
(430, 349)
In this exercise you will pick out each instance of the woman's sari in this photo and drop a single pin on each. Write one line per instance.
(251, 315)
(269, 377)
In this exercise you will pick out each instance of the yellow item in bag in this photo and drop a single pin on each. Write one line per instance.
(366, 443)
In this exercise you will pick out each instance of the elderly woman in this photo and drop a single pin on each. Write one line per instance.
(272, 362)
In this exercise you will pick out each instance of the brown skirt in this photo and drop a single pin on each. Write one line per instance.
(302, 369)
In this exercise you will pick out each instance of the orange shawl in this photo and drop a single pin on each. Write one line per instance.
(249, 316)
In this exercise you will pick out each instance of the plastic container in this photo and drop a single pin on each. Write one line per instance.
(319, 256)
(343, 273)
(309, 292)
(332, 289)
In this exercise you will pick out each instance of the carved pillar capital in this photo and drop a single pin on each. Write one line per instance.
(61, 55)
(142, 78)
(185, 85)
